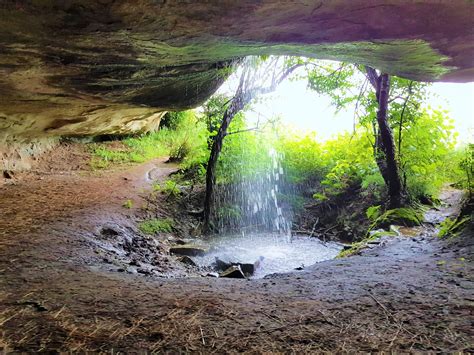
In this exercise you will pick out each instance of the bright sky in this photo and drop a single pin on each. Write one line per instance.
(307, 111)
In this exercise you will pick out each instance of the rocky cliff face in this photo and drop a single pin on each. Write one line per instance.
(87, 67)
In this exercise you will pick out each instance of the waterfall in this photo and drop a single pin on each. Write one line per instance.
(252, 204)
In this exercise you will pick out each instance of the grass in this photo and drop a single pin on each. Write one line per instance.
(169, 187)
(131, 150)
(155, 225)
(186, 143)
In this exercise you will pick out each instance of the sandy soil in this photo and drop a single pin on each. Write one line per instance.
(64, 238)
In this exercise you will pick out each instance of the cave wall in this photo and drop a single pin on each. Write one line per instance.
(88, 67)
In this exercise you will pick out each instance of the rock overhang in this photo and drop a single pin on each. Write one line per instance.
(93, 67)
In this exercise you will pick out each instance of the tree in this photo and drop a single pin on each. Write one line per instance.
(385, 151)
(258, 76)
(393, 102)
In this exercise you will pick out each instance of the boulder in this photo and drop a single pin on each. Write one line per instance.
(188, 249)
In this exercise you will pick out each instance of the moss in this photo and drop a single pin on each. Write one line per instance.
(153, 226)
(405, 216)
(415, 59)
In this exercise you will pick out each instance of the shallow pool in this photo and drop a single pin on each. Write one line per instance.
(280, 253)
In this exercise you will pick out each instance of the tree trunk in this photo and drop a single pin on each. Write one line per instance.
(391, 173)
(384, 143)
(236, 105)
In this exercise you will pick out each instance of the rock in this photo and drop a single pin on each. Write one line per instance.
(188, 249)
(247, 268)
(187, 260)
(234, 272)
(212, 274)
(299, 268)
(222, 265)
(134, 263)
(159, 55)
(144, 271)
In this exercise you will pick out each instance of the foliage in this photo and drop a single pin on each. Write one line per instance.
(153, 226)
(425, 153)
(183, 139)
(373, 212)
(424, 137)
(452, 227)
(302, 157)
(466, 164)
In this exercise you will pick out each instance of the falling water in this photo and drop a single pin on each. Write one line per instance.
(252, 205)
(254, 223)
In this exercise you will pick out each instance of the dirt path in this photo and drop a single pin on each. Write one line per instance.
(59, 290)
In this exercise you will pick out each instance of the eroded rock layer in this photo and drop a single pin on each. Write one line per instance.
(87, 67)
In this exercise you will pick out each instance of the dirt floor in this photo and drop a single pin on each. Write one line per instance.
(76, 276)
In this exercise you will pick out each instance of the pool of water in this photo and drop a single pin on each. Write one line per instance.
(280, 253)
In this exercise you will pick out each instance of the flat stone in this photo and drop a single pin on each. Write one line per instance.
(248, 269)
(187, 249)
(234, 272)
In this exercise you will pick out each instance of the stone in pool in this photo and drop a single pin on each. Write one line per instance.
(234, 272)
(248, 269)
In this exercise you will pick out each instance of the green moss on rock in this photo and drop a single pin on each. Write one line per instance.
(405, 216)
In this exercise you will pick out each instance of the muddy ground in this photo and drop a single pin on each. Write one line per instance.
(66, 243)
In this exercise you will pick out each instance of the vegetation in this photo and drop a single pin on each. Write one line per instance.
(321, 173)
(181, 138)
(452, 227)
(156, 225)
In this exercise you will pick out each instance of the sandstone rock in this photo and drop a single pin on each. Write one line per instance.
(132, 60)
(188, 249)
(248, 269)
(234, 272)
